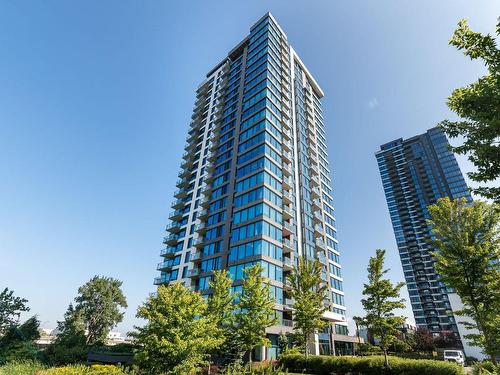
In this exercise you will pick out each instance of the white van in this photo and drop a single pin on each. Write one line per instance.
(456, 356)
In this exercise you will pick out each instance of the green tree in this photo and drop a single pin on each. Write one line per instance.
(178, 335)
(221, 310)
(18, 341)
(11, 308)
(358, 321)
(255, 311)
(467, 254)
(99, 302)
(70, 345)
(308, 291)
(381, 299)
(478, 104)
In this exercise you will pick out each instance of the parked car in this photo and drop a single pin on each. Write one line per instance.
(456, 356)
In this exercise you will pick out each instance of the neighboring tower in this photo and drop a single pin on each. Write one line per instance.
(254, 183)
(415, 173)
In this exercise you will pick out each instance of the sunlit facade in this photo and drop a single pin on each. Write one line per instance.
(255, 184)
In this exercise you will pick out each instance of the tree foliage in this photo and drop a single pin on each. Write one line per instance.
(11, 308)
(309, 292)
(381, 299)
(70, 345)
(467, 244)
(478, 104)
(99, 302)
(178, 335)
(255, 310)
(18, 341)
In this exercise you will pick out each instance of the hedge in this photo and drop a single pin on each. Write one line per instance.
(326, 365)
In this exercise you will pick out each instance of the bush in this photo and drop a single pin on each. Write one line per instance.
(21, 368)
(485, 368)
(325, 365)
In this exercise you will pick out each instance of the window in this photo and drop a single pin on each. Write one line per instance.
(259, 247)
(210, 264)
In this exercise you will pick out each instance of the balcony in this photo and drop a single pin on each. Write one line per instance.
(287, 182)
(287, 169)
(201, 228)
(287, 134)
(318, 217)
(287, 264)
(288, 304)
(182, 193)
(314, 170)
(288, 229)
(196, 257)
(314, 181)
(171, 239)
(176, 215)
(161, 280)
(315, 193)
(174, 227)
(287, 156)
(318, 230)
(199, 242)
(203, 214)
(320, 244)
(165, 266)
(168, 252)
(288, 246)
(287, 197)
(287, 322)
(287, 145)
(287, 213)
(195, 272)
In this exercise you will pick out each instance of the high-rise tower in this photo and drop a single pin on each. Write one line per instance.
(415, 173)
(254, 184)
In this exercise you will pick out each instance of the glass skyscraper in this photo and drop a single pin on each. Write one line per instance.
(255, 185)
(415, 173)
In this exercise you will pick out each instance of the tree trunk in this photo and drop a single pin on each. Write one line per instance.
(386, 360)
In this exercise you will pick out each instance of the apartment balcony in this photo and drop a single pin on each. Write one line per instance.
(199, 242)
(188, 163)
(205, 201)
(314, 181)
(171, 239)
(176, 215)
(287, 213)
(288, 246)
(288, 304)
(287, 322)
(287, 182)
(312, 152)
(287, 134)
(287, 145)
(179, 203)
(182, 193)
(165, 266)
(287, 264)
(206, 191)
(287, 197)
(201, 228)
(174, 227)
(203, 214)
(322, 257)
(318, 218)
(315, 193)
(318, 230)
(320, 244)
(287, 156)
(184, 173)
(287, 169)
(314, 170)
(196, 257)
(168, 252)
(288, 229)
(195, 272)
(316, 204)
(287, 286)
(161, 280)
(312, 160)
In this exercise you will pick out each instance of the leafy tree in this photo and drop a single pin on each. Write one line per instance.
(221, 310)
(99, 302)
(467, 244)
(70, 345)
(308, 291)
(178, 335)
(358, 321)
(18, 342)
(382, 298)
(11, 308)
(255, 310)
(478, 104)
(423, 340)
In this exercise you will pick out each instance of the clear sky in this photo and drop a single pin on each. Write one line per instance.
(96, 98)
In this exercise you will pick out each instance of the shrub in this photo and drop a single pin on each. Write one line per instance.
(84, 370)
(485, 368)
(325, 365)
(21, 368)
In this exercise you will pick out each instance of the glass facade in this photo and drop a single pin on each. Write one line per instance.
(415, 173)
(255, 185)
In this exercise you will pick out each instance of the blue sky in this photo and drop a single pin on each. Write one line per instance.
(96, 97)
